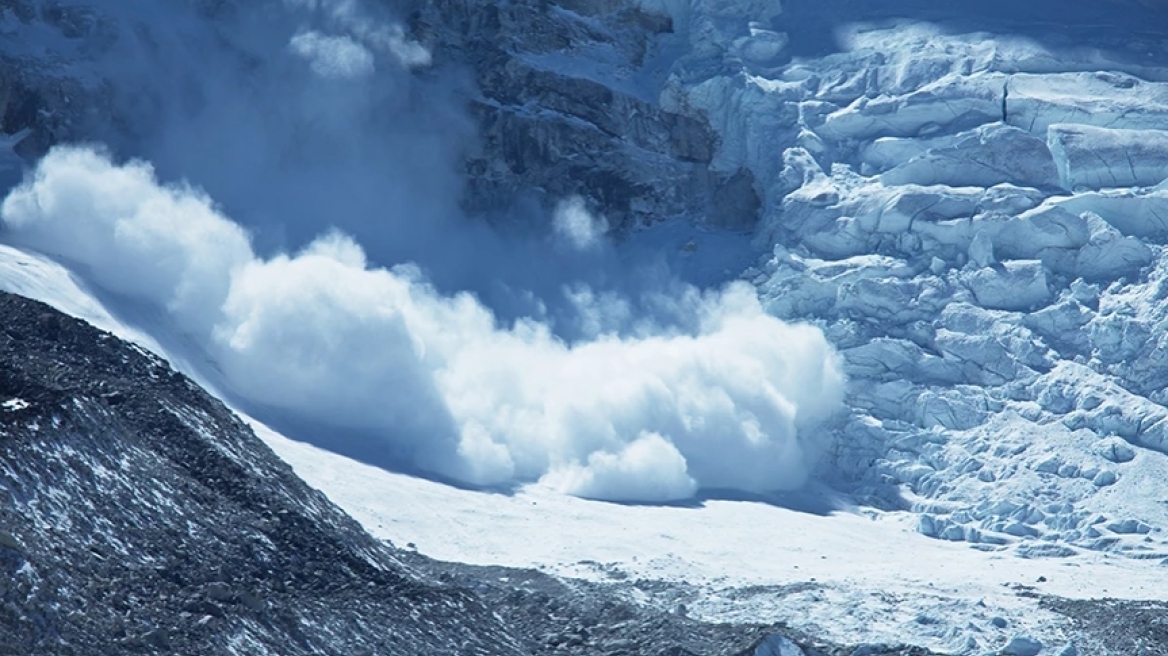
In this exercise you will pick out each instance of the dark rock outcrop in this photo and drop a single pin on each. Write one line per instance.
(557, 92)
(558, 121)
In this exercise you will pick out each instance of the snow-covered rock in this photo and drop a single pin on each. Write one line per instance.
(1022, 645)
(776, 645)
(1014, 285)
(1115, 450)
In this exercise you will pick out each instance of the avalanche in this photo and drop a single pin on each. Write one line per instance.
(968, 203)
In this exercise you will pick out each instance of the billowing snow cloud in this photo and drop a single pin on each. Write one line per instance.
(647, 469)
(732, 401)
(350, 17)
(333, 56)
(166, 244)
(576, 227)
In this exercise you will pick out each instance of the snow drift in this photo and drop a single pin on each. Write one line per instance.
(733, 403)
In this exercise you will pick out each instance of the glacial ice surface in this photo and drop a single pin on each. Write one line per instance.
(978, 223)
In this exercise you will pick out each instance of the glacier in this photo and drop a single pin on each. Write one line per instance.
(975, 222)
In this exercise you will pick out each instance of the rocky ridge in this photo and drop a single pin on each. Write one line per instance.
(141, 515)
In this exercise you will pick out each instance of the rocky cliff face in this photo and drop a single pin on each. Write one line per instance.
(40, 101)
(563, 98)
(566, 107)
(589, 97)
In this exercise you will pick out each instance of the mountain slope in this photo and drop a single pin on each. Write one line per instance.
(141, 514)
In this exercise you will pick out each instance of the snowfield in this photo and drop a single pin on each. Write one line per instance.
(851, 575)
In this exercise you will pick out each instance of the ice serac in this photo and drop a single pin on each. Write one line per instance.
(1104, 99)
(1141, 213)
(1096, 158)
(1018, 285)
(951, 102)
(974, 220)
(987, 156)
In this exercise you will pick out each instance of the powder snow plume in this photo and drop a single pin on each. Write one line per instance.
(731, 402)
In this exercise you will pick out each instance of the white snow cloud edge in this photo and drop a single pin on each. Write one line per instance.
(350, 54)
(732, 404)
(333, 56)
(576, 227)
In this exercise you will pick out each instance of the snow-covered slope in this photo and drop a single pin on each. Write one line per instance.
(140, 515)
(850, 575)
(846, 574)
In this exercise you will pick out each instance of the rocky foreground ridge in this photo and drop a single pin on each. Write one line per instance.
(140, 515)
